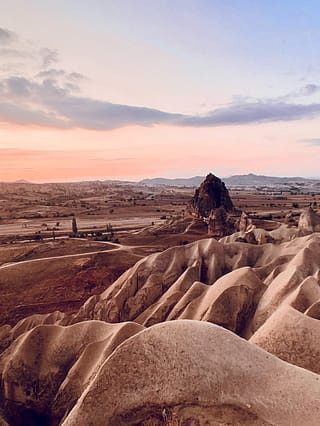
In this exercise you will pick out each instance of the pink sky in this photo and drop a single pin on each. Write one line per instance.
(136, 152)
(163, 89)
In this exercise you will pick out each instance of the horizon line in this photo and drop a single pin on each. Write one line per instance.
(138, 180)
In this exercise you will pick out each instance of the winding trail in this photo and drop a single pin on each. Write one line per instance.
(117, 247)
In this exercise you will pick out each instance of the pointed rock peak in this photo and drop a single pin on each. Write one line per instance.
(212, 194)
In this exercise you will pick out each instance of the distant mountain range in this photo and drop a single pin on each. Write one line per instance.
(252, 180)
(236, 180)
(231, 181)
(193, 181)
(22, 181)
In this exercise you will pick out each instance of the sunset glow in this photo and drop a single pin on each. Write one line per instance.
(160, 89)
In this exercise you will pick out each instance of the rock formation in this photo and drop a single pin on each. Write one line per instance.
(290, 219)
(206, 333)
(48, 368)
(309, 221)
(225, 381)
(291, 336)
(219, 224)
(211, 195)
(245, 223)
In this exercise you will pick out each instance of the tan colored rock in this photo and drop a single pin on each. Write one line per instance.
(168, 285)
(46, 370)
(291, 336)
(32, 321)
(245, 222)
(309, 221)
(167, 375)
(197, 226)
(162, 309)
(301, 260)
(187, 372)
(314, 310)
(305, 295)
(230, 302)
(279, 235)
(290, 219)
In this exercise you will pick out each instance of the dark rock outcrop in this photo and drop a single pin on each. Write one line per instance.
(211, 195)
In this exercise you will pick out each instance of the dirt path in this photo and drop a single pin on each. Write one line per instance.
(117, 247)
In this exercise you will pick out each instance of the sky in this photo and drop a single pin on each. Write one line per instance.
(129, 89)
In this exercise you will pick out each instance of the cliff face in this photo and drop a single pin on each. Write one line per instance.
(212, 194)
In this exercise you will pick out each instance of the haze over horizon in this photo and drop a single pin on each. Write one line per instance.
(136, 89)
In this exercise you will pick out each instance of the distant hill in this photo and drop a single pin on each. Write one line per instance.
(21, 181)
(236, 180)
(193, 181)
(253, 180)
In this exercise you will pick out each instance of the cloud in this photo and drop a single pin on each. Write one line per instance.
(253, 112)
(311, 141)
(18, 55)
(48, 103)
(7, 36)
(60, 73)
(48, 56)
(309, 89)
(70, 80)
(8, 53)
(40, 93)
(305, 91)
(22, 116)
(52, 102)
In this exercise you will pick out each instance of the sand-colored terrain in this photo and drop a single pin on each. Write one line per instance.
(203, 332)
(73, 362)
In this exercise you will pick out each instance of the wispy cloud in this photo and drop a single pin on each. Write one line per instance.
(305, 91)
(18, 55)
(311, 141)
(253, 112)
(7, 37)
(49, 57)
(60, 73)
(309, 89)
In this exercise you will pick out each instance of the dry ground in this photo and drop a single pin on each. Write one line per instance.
(64, 282)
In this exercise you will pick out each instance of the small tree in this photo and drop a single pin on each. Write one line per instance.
(109, 229)
(74, 226)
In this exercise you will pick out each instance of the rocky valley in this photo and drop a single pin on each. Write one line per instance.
(203, 310)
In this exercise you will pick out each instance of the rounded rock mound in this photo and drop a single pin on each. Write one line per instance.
(196, 373)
